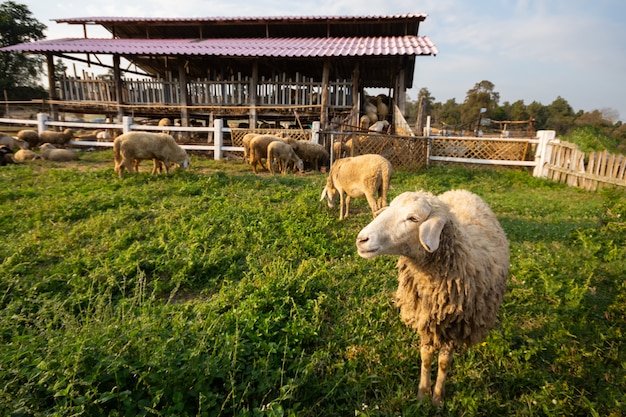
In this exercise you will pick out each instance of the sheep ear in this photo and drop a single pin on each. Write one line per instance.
(324, 194)
(380, 210)
(430, 233)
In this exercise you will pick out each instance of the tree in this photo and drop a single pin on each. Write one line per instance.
(19, 73)
(481, 96)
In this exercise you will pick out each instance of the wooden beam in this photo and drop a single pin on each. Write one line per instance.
(52, 90)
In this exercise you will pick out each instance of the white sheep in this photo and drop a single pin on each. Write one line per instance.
(29, 136)
(258, 149)
(160, 147)
(56, 138)
(282, 154)
(379, 126)
(50, 152)
(452, 271)
(358, 176)
(312, 153)
(246, 144)
(24, 155)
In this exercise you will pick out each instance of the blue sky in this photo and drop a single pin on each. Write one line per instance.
(531, 50)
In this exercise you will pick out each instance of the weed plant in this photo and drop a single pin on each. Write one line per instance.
(217, 292)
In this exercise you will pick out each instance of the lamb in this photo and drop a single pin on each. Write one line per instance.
(165, 122)
(258, 149)
(132, 146)
(50, 152)
(313, 153)
(358, 176)
(29, 136)
(283, 154)
(24, 155)
(452, 271)
(56, 138)
(12, 142)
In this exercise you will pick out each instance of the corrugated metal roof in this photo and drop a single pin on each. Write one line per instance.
(113, 19)
(260, 47)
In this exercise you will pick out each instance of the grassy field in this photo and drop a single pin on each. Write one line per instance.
(216, 292)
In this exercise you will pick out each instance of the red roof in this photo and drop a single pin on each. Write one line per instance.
(260, 47)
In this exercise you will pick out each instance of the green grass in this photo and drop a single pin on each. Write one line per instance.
(216, 292)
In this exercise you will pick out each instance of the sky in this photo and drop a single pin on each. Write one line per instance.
(531, 50)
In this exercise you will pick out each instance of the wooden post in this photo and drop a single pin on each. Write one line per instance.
(324, 102)
(401, 91)
(52, 82)
(254, 82)
(218, 140)
(356, 105)
(184, 96)
(117, 75)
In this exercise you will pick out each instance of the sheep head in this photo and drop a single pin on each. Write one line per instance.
(329, 192)
(410, 217)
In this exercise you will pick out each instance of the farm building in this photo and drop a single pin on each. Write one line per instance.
(252, 70)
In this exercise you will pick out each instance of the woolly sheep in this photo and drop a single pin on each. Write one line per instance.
(379, 126)
(5, 155)
(258, 149)
(24, 155)
(165, 122)
(50, 152)
(12, 142)
(246, 144)
(312, 153)
(29, 136)
(358, 176)
(132, 146)
(56, 138)
(283, 154)
(452, 271)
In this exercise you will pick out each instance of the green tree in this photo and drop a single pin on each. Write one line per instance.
(481, 96)
(561, 116)
(19, 73)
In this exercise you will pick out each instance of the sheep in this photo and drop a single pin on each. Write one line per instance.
(132, 146)
(283, 154)
(452, 271)
(382, 108)
(258, 149)
(313, 153)
(165, 122)
(29, 136)
(379, 126)
(358, 176)
(12, 142)
(50, 152)
(5, 155)
(56, 138)
(24, 155)
(246, 144)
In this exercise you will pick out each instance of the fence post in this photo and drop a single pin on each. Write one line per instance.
(127, 122)
(543, 152)
(315, 132)
(42, 122)
(218, 125)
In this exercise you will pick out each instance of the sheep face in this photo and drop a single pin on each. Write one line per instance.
(394, 230)
(329, 193)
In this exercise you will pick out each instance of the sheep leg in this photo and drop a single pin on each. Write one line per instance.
(342, 203)
(427, 352)
(445, 360)
(371, 200)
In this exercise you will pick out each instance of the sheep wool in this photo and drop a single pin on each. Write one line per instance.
(29, 136)
(24, 155)
(136, 146)
(282, 154)
(366, 176)
(452, 271)
(258, 149)
(50, 153)
(56, 138)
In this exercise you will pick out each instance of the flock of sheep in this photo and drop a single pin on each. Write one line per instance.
(453, 254)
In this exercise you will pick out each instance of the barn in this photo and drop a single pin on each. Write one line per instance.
(251, 71)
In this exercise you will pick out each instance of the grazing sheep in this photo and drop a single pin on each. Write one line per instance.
(132, 146)
(56, 138)
(50, 153)
(29, 136)
(258, 149)
(5, 155)
(283, 154)
(24, 155)
(358, 176)
(246, 144)
(452, 271)
(313, 153)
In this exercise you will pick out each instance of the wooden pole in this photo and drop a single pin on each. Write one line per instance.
(324, 102)
(254, 82)
(52, 82)
(119, 94)
(184, 97)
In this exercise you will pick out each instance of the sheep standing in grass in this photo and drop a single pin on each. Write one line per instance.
(49, 152)
(282, 154)
(452, 271)
(358, 176)
(132, 146)
(29, 136)
(312, 153)
(258, 149)
(56, 138)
